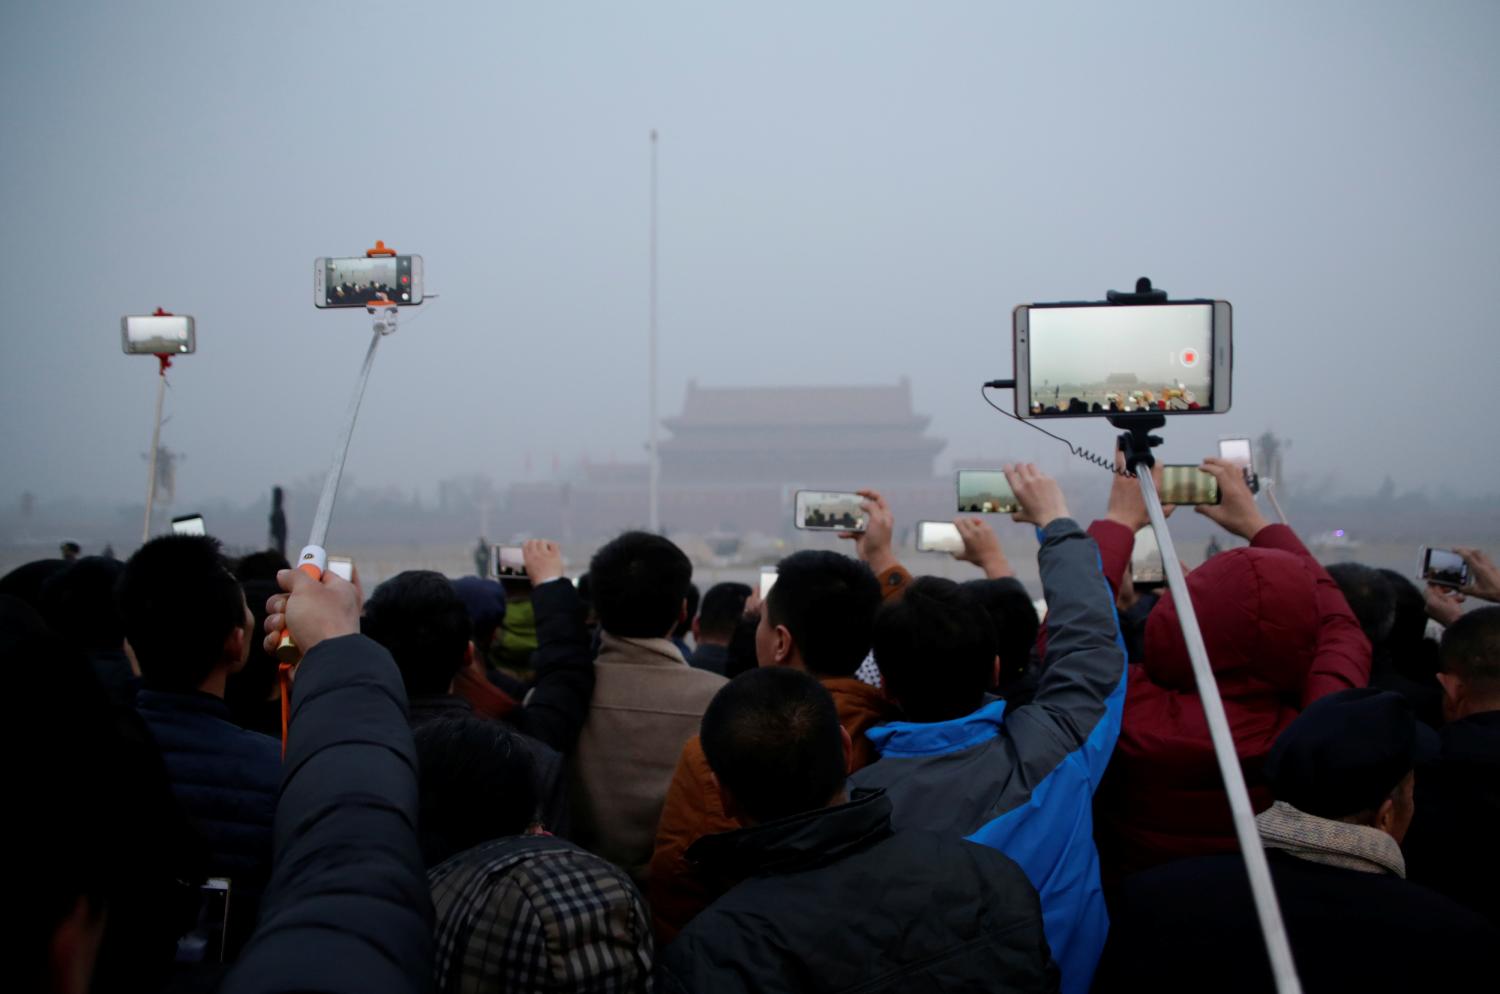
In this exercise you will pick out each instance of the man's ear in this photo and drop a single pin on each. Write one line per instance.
(697, 631)
(848, 750)
(682, 613)
(783, 647)
(469, 654)
(726, 800)
(995, 674)
(1453, 686)
(1385, 816)
(235, 646)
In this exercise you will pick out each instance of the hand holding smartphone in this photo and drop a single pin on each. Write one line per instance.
(1184, 484)
(509, 562)
(1239, 452)
(1444, 568)
(830, 511)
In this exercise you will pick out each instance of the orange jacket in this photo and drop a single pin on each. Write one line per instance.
(692, 809)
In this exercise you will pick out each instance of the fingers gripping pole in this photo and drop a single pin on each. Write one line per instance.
(1267, 910)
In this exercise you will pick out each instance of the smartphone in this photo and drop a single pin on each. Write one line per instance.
(357, 280)
(1239, 452)
(830, 511)
(1146, 567)
(939, 536)
(985, 491)
(1185, 484)
(508, 562)
(170, 334)
(341, 566)
(767, 581)
(206, 942)
(1444, 567)
(188, 524)
(1099, 359)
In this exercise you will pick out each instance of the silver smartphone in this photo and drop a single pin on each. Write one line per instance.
(341, 566)
(188, 524)
(939, 536)
(1146, 566)
(1239, 452)
(1444, 567)
(767, 581)
(508, 562)
(1099, 359)
(830, 511)
(158, 334)
(355, 281)
(985, 491)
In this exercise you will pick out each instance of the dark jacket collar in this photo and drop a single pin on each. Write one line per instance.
(1475, 739)
(428, 706)
(193, 701)
(799, 842)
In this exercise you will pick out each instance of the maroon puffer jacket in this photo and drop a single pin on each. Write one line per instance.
(1279, 635)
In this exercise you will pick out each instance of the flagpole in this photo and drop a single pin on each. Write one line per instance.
(654, 471)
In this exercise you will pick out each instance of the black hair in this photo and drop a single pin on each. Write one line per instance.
(25, 581)
(935, 648)
(773, 739)
(722, 607)
(475, 783)
(179, 603)
(419, 617)
(1408, 649)
(685, 627)
(1013, 616)
(739, 655)
(828, 603)
(260, 566)
(78, 603)
(247, 692)
(639, 582)
(1370, 598)
(1471, 649)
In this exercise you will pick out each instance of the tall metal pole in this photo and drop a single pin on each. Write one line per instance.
(161, 393)
(654, 513)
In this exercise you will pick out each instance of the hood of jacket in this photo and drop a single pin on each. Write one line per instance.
(797, 842)
(1259, 615)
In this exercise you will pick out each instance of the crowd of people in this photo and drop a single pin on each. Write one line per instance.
(864, 781)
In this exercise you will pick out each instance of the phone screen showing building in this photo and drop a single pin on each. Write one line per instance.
(1121, 359)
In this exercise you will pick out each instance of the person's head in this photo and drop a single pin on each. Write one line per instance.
(1471, 664)
(247, 691)
(475, 783)
(1370, 598)
(819, 615)
(485, 602)
(423, 622)
(260, 566)
(773, 740)
(1349, 757)
(935, 648)
(186, 620)
(1015, 622)
(79, 604)
(639, 583)
(722, 608)
(70, 551)
(690, 613)
(25, 582)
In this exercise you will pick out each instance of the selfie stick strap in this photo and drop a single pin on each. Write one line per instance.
(1136, 444)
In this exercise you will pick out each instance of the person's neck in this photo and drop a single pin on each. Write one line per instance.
(1483, 705)
(215, 682)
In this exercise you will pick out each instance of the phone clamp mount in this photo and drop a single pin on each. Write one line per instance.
(164, 363)
(382, 309)
(1135, 443)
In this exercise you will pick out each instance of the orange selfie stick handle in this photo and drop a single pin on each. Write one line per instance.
(379, 249)
(312, 562)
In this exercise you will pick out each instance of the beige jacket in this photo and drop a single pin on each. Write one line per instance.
(647, 703)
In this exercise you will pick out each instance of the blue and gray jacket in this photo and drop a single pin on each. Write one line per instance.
(1023, 783)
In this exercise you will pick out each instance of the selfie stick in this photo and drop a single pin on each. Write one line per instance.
(313, 559)
(1136, 444)
(165, 361)
(1269, 486)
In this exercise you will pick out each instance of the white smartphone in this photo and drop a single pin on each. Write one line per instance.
(830, 511)
(188, 524)
(767, 581)
(357, 280)
(1240, 452)
(153, 334)
(1444, 567)
(939, 536)
(1146, 566)
(1099, 359)
(508, 561)
(341, 566)
(985, 491)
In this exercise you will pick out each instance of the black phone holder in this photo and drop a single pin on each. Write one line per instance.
(1137, 441)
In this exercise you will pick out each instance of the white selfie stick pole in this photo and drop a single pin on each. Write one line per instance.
(161, 393)
(313, 559)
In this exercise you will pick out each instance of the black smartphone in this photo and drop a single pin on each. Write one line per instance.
(985, 491)
(357, 280)
(1444, 567)
(830, 511)
(508, 562)
(1185, 484)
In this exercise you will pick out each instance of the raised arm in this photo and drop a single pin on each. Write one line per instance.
(347, 908)
(558, 703)
(873, 545)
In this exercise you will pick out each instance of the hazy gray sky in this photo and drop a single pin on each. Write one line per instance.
(851, 192)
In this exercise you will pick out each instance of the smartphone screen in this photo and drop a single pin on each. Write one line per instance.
(1089, 359)
(1183, 484)
(1444, 567)
(355, 281)
(508, 561)
(830, 510)
(188, 524)
(939, 536)
(767, 581)
(1146, 566)
(341, 566)
(985, 491)
(153, 335)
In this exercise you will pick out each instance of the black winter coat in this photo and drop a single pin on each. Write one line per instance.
(834, 901)
(1190, 926)
(348, 908)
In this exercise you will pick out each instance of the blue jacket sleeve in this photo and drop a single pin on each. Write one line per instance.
(348, 907)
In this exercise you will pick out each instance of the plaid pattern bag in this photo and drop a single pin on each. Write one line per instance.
(536, 913)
